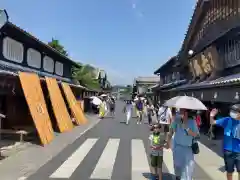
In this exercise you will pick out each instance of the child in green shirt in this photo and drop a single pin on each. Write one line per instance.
(157, 143)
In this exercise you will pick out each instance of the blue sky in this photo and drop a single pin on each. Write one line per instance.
(127, 38)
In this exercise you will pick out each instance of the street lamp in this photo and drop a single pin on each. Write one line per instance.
(3, 17)
(190, 52)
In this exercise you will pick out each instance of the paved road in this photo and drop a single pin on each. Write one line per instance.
(110, 150)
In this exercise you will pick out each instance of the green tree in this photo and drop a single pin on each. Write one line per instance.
(128, 89)
(54, 43)
(86, 76)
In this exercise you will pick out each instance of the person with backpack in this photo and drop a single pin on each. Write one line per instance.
(139, 107)
(231, 140)
(165, 117)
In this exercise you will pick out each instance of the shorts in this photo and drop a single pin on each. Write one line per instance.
(156, 161)
(112, 109)
(232, 161)
(166, 128)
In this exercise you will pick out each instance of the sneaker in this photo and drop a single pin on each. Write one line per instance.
(137, 122)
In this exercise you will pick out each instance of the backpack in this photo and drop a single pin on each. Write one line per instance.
(139, 105)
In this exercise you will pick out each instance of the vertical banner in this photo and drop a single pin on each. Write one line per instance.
(32, 89)
(62, 116)
(73, 104)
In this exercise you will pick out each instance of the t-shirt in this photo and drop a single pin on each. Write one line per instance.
(230, 127)
(165, 115)
(139, 105)
(180, 136)
(129, 107)
(157, 141)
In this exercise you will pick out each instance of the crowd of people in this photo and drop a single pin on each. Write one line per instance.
(179, 129)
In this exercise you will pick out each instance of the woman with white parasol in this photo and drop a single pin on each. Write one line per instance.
(184, 129)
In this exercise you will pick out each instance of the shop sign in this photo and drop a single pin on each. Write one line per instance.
(203, 63)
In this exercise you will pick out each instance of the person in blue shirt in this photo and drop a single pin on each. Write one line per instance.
(231, 141)
(184, 129)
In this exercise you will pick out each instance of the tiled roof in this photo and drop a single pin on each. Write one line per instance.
(148, 79)
(227, 80)
(235, 78)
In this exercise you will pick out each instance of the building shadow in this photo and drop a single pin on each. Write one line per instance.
(215, 145)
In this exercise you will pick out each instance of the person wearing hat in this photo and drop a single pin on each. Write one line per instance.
(231, 141)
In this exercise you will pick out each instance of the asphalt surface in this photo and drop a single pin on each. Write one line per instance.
(107, 151)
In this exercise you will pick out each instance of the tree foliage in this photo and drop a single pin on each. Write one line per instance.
(128, 89)
(54, 43)
(85, 74)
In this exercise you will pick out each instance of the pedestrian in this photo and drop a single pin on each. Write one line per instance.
(102, 108)
(157, 143)
(231, 140)
(128, 110)
(165, 117)
(184, 129)
(150, 112)
(198, 120)
(112, 106)
(157, 107)
(139, 107)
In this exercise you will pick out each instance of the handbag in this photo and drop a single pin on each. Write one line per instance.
(195, 146)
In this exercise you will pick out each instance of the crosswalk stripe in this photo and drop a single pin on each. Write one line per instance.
(104, 167)
(212, 169)
(69, 166)
(140, 163)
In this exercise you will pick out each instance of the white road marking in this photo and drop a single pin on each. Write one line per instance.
(210, 162)
(140, 165)
(69, 166)
(104, 167)
(22, 178)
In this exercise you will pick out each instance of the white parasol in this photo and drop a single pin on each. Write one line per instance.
(185, 102)
(103, 95)
(96, 101)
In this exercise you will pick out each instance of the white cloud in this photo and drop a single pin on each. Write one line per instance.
(134, 6)
(136, 10)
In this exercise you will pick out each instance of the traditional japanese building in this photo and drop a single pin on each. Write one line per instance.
(22, 52)
(171, 75)
(142, 85)
(210, 53)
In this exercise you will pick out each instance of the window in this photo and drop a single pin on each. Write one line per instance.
(48, 64)
(13, 50)
(59, 68)
(34, 58)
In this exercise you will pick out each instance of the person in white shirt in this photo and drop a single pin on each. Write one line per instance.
(165, 117)
(128, 110)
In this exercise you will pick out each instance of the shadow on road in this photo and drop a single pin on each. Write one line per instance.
(214, 145)
(166, 176)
